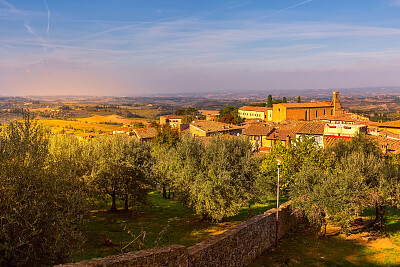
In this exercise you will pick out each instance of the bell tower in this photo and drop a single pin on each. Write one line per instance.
(337, 107)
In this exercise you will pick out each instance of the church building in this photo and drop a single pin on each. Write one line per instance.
(307, 111)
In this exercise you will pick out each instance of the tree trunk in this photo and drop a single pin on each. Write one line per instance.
(164, 191)
(380, 215)
(169, 193)
(113, 205)
(249, 215)
(126, 203)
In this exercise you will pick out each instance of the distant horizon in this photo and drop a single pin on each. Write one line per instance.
(393, 89)
(152, 47)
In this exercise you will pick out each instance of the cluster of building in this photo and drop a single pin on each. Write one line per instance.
(326, 122)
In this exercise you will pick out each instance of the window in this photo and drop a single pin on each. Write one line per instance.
(331, 112)
(316, 113)
(324, 112)
(305, 117)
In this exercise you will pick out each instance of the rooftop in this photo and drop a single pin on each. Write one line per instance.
(390, 124)
(213, 126)
(312, 127)
(259, 109)
(148, 132)
(306, 105)
(258, 129)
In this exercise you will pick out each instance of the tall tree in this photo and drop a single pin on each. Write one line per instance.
(215, 180)
(294, 156)
(42, 207)
(121, 169)
(284, 100)
(298, 99)
(269, 101)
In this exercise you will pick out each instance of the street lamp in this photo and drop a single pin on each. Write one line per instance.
(278, 161)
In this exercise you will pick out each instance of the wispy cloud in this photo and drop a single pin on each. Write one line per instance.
(10, 8)
(48, 18)
(284, 9)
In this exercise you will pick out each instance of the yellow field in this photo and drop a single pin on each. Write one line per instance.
(88, 126)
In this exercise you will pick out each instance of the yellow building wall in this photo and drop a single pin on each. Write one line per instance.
(278, 113)
(194, 131)
(281, 113)
(249, 114)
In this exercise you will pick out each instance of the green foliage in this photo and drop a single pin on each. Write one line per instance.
(230, 114)
(215, 180)
(360, 143)
(269, 101)
(42, 197)
(298, 99)
(121, 169)
(360, 178)
(180, 111)
(339, 196)
(258, 105)
(294, 156)
(154, 124)
(228, 118)
(187, 111)
(138, 124)
(188, 118)
(166, 136)
(284, 100)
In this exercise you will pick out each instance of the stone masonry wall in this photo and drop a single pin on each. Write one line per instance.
(238, 246)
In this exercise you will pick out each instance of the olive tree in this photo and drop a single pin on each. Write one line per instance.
(42, 208)
(216, 179)
(121, 169)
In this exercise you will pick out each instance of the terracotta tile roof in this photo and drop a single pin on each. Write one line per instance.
(282, 133)
(312, 127)
(250, 108)
(393, 143)
(306, 105)
(390, 124)
(213, 126)
(144, 133)
(257, 129)
(249, 122)
(331, 140)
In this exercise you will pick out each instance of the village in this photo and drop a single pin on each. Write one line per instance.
(284, 122)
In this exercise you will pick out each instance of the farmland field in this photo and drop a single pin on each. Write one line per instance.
(92, 125)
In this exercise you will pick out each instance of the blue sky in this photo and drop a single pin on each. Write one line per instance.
(123, 47)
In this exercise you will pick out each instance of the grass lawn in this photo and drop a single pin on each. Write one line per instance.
(182, 227)
(361, 248)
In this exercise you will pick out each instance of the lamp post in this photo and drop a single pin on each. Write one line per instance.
(279, 161)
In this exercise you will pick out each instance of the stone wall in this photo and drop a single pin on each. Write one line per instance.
(238, 246)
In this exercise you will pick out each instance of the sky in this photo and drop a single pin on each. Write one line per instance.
(135, 47)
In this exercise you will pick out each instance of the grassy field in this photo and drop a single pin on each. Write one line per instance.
(361, 248)
(93, 125)
(181, 227)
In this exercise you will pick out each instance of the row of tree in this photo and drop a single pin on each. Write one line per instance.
(47, 182)
(336, 184)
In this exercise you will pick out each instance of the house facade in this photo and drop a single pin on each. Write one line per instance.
(263, 113)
